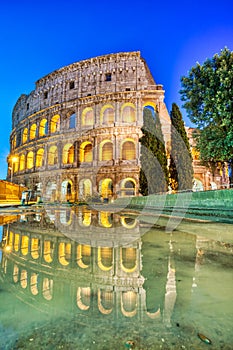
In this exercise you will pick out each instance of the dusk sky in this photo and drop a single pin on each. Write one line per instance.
(38, 37)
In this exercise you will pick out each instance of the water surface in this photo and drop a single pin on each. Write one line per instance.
(75, 278)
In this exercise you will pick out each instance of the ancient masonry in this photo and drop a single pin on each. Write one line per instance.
(77, 134)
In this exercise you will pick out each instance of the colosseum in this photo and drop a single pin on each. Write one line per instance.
(77, 134)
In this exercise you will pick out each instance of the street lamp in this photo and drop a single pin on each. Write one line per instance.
(14, 159)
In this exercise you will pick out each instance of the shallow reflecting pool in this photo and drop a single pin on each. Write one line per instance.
(75, 278)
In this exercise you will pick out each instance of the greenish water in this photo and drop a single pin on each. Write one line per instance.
(73, 278)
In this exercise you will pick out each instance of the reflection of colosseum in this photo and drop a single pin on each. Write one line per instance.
(77, 133)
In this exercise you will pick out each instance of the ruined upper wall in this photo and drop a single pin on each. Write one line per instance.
(100, 75)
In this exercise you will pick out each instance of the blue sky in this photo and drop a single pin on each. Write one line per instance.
(37, 37)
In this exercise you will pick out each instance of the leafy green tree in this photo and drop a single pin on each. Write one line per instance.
(154, 173)
(180, 167)
(207, 93)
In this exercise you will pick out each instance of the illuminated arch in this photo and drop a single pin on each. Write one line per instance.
(128, 187)
(40, 157)
(24, 279)
(52, 155)
(43, 127)
(87, 117)
(35, 246)
(16, 273)
(47, 288)
(83, 256)
(30, 160)
(25, 135)
(128, 113)
(34, 283)
(105, 258)
(24, 245)
(106, 188)
(66, 190)
(85, 188)
(128, 222)
(84, 298)
(64, 253)
(107, 114)
(22, 162)
(32, 135)
(106, 150)
(86, 155)
(16, 242)
(128, 258)
(105, 219)
(105, 301)
(128, 149)
(129, 303)
(66, 217)
(55, 123)
(68, 154)
(48, 251)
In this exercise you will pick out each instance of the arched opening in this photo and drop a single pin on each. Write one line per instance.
(47, 288)
(24, 279)
(40, 157)
(25, 135)
(24, 245)
(52, 155)
(129, 303)
(128, 113)
(85, 188)
(107, 114)
(128, 150)
(86, 152)
(152, 108)
(43, 128)
(22, 162)
(35, 246)
(88, 117)
(105, 258)
(64, 253)
(105, 219)
(128, 259)
(105, 301)
(72, 121)
(83, 256)
(55, 124)
(66, 190)
(128, 187)
(106, 188)
(106, 151)
(30, 160)
(48, 251)
(32, 132)
(34, 283)
(84, 298)
(68, 154)
(50, 192)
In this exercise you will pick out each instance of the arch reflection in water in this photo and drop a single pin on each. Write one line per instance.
(146, 282)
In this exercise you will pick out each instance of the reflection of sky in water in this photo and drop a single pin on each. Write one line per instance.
(0, 241)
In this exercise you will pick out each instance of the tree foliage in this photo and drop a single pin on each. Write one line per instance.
(207, 93)
(180, 167)
(154, 173)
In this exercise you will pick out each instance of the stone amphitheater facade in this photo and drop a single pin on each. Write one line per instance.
(77, 134)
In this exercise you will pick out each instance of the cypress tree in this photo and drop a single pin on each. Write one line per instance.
(180, 167)
(154, 173)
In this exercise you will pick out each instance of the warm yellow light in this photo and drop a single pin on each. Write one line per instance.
(14, 159)
(7, 248)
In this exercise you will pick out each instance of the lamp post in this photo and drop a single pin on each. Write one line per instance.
(13, 160)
